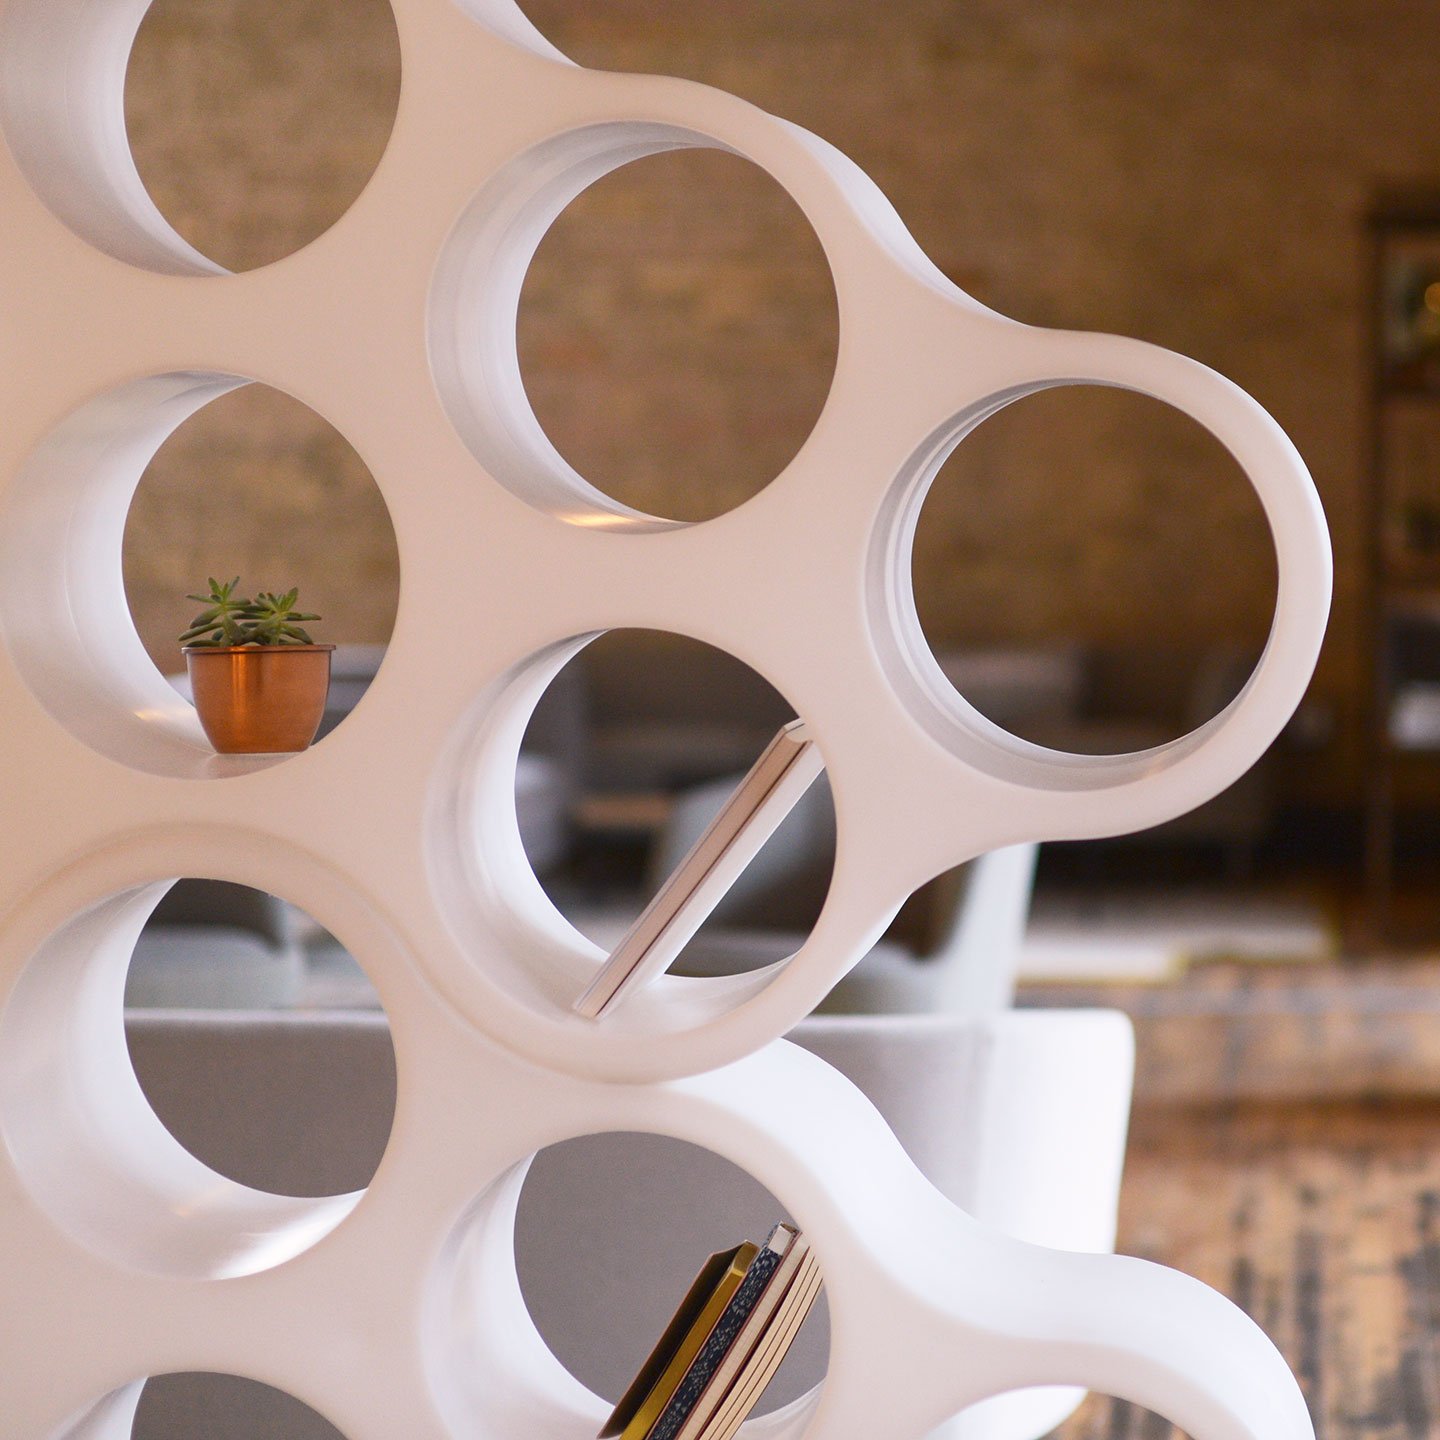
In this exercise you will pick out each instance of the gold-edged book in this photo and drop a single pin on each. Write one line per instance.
(725, 1343)
(760, 1368)
(785, 770)
(759, 1347)
(662, 1373)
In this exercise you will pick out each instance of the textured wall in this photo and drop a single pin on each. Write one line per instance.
(1189, 171)
(254, 126)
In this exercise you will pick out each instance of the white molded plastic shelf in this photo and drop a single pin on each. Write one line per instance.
(398, 1313)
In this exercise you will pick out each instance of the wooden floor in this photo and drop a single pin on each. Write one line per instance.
(1324, 1223)
(1286, 1150)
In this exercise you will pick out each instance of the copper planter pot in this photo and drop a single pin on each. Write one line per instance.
(259, 699)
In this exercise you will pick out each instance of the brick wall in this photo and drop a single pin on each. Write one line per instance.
(1188, 171)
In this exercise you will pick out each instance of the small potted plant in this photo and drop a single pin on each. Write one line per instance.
(258, 679)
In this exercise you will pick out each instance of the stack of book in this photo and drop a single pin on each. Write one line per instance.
(724, 1345)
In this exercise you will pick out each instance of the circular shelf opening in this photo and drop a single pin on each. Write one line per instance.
(261, 1097)
(256, 125)
(252, 484)
(567, 1272)
(634, 327)
(678, 332)
(601, 845)
(199, 1143)
(217, 1406)
(654, 734)
(199, 139)
(226, 479)
(1067, 575)
(635, 748)
(639, 1213)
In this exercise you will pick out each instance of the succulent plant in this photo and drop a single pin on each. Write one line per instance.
(231, 619)
(274, 620)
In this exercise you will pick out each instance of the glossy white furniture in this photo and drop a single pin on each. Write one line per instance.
(397, 1312)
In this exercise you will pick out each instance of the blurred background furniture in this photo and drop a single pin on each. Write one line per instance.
(1402, 422)
(213, 945)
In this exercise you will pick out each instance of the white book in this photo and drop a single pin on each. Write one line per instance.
(783, 773)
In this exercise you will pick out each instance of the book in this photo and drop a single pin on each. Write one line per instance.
(785, 770)
(760, 1370)
(772, 1311)
(724, 1344)
(661, 1374)
(727, 1332)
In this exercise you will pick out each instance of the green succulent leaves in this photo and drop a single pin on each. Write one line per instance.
(231, 619)
(224, 619)
(273, 620)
